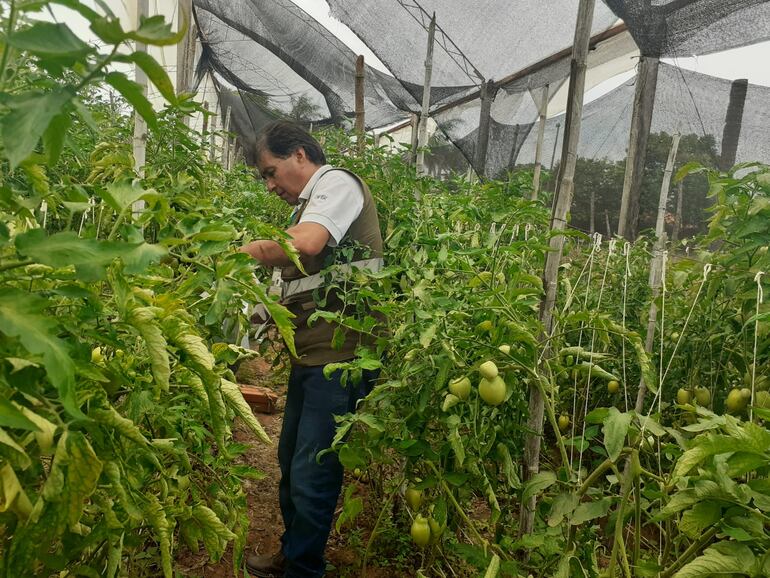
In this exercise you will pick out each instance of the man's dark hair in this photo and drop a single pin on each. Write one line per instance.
(282, 137)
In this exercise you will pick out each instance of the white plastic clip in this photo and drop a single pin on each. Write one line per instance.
(706, 270)
(760, 291)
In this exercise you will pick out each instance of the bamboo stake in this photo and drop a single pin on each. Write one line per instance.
(655, 281)
(539, 146)
(641, 119)
(678, 216)
(212, 141)
(607, 223)
(482, 144)
(422, 133)
(226, 139)
(359, 126)
(205, 122)
(413, 149)
(140, 126)
(578, 67)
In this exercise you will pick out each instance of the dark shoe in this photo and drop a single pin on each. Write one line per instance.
(266, 566)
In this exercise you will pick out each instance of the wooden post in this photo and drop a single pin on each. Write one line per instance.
(184, 58)
(422, 133)
(359, 126)
(413, 149)
(140, 126)
(212, 141)
(641, 119)
(607, 227)
(664, 188)
(678, 216)
(553, 159)
(205, 123)
(226, 139)
(574, 113)
(514, 149)
(539, 147)
(733, 124)
(232, 150)
(483, 138)
(592, 211)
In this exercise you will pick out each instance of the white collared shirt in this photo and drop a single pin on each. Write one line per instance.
(336, 201)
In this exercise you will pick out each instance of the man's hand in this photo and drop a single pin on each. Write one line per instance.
(308, 238)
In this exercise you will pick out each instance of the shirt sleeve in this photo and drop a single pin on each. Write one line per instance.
(336, 201)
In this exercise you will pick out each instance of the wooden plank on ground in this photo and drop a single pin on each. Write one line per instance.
(261, 399)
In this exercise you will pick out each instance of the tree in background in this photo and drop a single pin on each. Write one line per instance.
(600, 182)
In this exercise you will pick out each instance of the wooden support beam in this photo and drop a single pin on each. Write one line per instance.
(482, 142)
(578, 68)
(733, 124)
(641, 120)
(536, 67)
(359, 124)
(226, 138)
(422, 133)
(212, 141)
(140, 126)
(543, 110)
(415, 123)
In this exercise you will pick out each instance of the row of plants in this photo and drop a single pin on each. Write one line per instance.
(116, 399)
(673, 485)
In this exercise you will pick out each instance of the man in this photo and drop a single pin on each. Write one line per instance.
(334, 210)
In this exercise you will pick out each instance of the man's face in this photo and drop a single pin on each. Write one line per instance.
(284, 177)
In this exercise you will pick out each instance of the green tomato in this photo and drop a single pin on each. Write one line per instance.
(96, 355)
(488, 370)
(735, 401)
(460, 387)
(613, 386)
(683, 396)
(413, 498)
(702, 396)
(492, 390)
(420, 531)
(563, 422)
(506, 349)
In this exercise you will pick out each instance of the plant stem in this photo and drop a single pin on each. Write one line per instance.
(7, 48)
(469, 524)
(694, 548)
(596, 474)
(15, 264)
(377, 525)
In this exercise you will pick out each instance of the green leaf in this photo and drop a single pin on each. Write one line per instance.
(141, 257)
(49, 39)
(563, 505)
(28, 118)
(234, 398)
(590, 511)
(83, 473)
(426, 337)
(537, 484)
(281, 317)
(351, 508)
(721, 558)
(156, 31)
(615, 430)
(134, 94)
(7, 440)
(121, 195)
(54, 136)
(143, 319)
(66, 248)
(154, 71)
(21, 315)
(700, 517)
(13, 418)
(109, 30)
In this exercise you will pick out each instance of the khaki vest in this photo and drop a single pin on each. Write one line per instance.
(314, 343)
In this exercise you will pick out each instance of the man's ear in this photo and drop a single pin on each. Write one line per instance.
(300, 154)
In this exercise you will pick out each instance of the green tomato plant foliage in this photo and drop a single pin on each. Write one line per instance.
(116, 401)
(459, 254)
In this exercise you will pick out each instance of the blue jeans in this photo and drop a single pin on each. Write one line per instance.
(309, 489)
